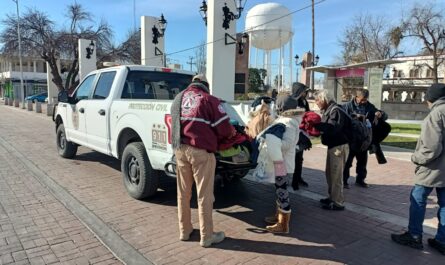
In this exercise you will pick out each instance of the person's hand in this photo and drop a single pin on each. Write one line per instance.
(378, 114)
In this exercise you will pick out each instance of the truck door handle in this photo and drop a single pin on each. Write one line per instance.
(81, 110)
(101, 112)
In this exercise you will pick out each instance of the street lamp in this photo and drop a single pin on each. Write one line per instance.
(22, 88)
(297, 63)
(394, 72)
(158, 33)
(315, 62)
(90, 50)
(229, 15)
(203, 11)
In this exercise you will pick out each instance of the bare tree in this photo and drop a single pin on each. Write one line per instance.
(426, 24)
(201, 57)
(128, 51)
(367, 38)
(41, 37)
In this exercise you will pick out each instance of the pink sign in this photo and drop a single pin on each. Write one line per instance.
(357, 72)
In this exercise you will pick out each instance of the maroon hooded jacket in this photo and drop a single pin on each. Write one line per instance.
(204, 122)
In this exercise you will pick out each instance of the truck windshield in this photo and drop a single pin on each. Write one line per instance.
(154, 85)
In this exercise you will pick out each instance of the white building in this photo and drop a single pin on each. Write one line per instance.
(34, 76)
(413, 71)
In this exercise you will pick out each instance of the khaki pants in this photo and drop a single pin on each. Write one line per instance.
(335, 164)
(195, 165)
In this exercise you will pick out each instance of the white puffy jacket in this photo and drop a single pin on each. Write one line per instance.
(288, 143)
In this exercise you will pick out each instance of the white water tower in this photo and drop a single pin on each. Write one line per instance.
(269, 27)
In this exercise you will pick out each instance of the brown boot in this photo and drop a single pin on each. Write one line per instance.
(282, 227)
(273, 219)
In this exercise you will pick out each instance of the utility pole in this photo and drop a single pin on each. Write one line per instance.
(313, 45)
(134, 15)
(22, 88)
(191, 63)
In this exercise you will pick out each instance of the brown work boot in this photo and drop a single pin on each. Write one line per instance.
(282, 226)
(273, 219)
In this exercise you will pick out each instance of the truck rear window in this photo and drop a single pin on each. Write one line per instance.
(154, 85)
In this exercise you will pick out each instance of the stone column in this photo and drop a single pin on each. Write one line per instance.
(87, 60)
(151, 54)
(29, 105)
(220, 57)
(38, 107)
(52, 88)
(305, 74)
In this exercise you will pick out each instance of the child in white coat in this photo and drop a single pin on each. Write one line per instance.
(281, 153)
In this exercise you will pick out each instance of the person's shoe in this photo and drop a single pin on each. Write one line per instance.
(303, 183)
(346, 186)
(380, 156)
(333, 207)
(282, 226)
(295, 185)
(273, 219)
(185, 236)
(372, 149)
(436, 245)
(407, 239)
(362, 184)
(326, 201)
(216, 238)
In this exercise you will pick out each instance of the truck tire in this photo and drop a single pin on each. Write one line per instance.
(140, 180)
(65, 148)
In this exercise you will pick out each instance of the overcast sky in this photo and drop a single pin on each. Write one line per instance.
(186, 28)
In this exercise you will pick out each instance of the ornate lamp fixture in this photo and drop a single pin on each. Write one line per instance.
(203, 11)
(229, 15)
(90, 50)
(158, 33)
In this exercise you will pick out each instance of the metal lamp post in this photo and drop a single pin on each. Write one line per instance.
(22, 88)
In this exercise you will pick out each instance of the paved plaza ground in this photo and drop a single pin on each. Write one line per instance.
(55, 210)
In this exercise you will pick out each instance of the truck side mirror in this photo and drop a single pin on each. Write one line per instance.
(63, 96)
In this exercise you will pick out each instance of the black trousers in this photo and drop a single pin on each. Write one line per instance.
(298, 165)
(362, 161)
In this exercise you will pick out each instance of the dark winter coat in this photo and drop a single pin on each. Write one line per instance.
(334, 126)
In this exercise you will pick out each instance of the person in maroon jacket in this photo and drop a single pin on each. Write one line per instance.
(199, 123)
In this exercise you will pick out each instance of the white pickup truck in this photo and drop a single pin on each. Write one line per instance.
(124, 112)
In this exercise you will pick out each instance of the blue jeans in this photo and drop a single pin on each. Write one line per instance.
(419, 196)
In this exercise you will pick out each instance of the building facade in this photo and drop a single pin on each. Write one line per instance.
(414, 70)
(34, 76)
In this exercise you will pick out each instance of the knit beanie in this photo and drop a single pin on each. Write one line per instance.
(434, 92)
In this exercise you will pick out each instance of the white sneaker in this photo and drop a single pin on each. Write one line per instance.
(216, 238)
(185, 237)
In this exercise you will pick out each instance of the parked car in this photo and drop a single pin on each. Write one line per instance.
(37, 97)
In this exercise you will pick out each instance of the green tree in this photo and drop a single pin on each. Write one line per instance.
(256, 77)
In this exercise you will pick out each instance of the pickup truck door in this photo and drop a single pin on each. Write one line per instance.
(98, 113)
(76, 113)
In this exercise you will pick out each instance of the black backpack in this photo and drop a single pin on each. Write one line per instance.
(360, 135)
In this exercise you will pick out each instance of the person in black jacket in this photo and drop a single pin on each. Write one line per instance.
(360, 106)
(334, 126)
(297, 100)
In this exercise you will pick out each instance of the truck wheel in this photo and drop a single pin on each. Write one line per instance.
(140, 180)
(65, 148)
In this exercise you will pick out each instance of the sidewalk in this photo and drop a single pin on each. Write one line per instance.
(359, 235)
(35, 228)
